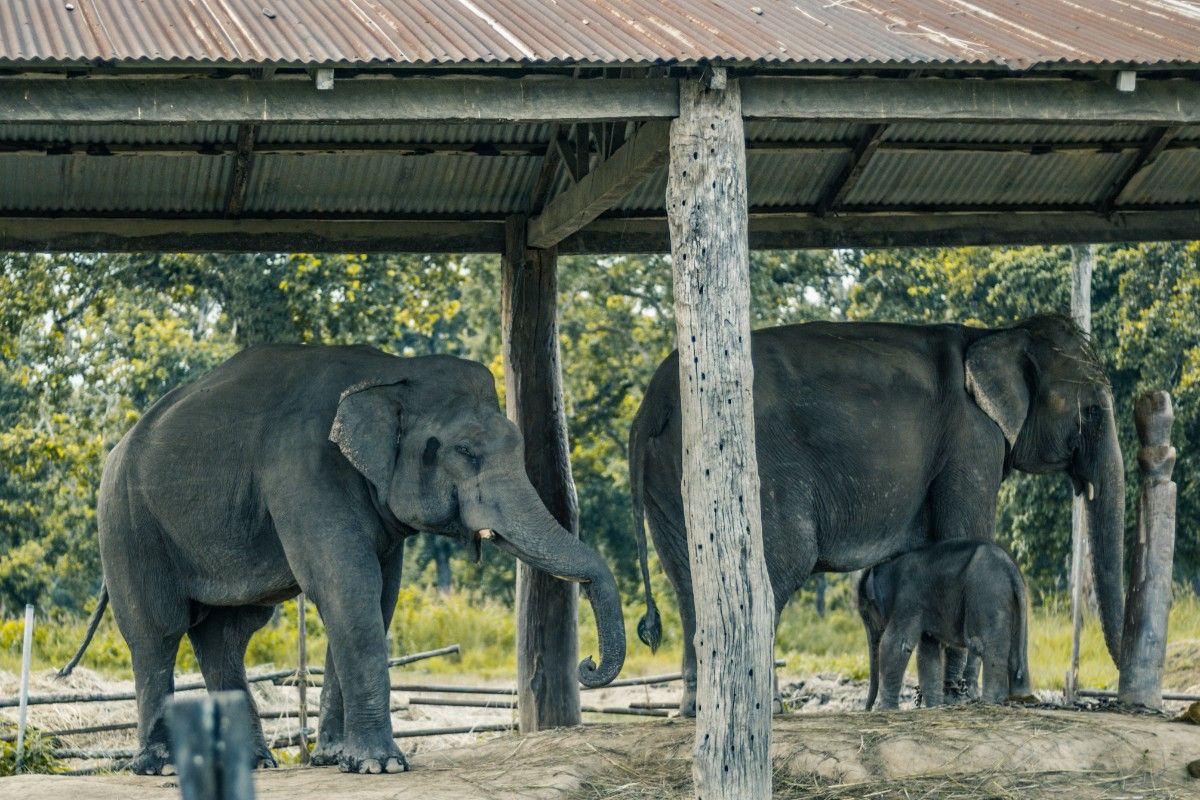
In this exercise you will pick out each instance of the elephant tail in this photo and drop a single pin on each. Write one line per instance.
(93, 623)
(1018, 649)
(650, 625)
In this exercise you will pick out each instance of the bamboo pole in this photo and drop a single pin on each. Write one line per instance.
(26, 658)
(302, 676)
(1148, 602)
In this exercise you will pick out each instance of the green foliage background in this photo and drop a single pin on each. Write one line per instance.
(89, 341)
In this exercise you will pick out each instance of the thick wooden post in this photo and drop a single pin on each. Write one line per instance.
(547, 642)
(1148, 602)
(706, 208)
(1083, 259)
(211, 746)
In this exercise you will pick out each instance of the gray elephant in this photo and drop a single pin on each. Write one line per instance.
(955, 593)
(875, 439)
(294, 469)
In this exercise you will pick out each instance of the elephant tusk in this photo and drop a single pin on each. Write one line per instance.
(1091, 491)
(486, 533)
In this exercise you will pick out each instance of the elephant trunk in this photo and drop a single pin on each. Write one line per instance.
(1105, 513)
(526, 529)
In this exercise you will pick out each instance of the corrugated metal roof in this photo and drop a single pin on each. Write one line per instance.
(1013, 33)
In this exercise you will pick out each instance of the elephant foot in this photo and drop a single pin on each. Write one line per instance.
(378, 761)
(326, 756)
(264, 760)
(956, 693)
(152, 760)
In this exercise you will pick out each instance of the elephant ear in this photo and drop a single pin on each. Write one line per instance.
(367, 429)
(996, 368)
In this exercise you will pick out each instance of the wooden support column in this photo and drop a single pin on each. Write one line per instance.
(547, 642)
(706, 209)
(1083, 260)
(1148, 602)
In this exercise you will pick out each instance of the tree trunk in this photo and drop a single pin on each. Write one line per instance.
(1144, 638)
(547, 608)
(1080, 582)
(706, 209)
(1083, 262)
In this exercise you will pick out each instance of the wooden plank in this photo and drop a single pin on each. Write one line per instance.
(547, 608)
(602, 188)
(768, 231)
(1009, 100)
(706, 208)
(243, 235)
(364, 100)
(1148, 603)
(849, 229)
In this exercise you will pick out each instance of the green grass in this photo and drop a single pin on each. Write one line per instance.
(486, 630)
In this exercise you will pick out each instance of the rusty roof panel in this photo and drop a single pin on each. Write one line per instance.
(1012, 33)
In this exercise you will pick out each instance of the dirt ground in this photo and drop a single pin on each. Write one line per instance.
(824, 748)
(961, 752)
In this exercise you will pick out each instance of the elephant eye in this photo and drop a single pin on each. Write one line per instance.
(470, 456)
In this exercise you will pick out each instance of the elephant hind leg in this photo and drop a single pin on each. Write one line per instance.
(895, 650)
(929, 671)
(220, 642)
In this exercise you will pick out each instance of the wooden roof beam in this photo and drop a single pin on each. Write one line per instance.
(201, 101)
(602, 188)
(1004, 100)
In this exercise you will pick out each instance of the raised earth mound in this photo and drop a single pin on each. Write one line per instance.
(958, 752)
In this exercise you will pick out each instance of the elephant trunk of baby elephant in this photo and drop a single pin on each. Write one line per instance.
(528, 531)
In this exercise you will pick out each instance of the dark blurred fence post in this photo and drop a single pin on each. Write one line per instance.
(211, 746)
(1144, 640)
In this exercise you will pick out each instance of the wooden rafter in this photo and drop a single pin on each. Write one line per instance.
(239, 180)
(860, 157)
(602, 188)
(1148, 153)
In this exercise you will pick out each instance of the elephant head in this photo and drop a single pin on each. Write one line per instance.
(1043, 385)
(441, 458)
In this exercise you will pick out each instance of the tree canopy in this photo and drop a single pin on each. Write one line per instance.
(89, 341)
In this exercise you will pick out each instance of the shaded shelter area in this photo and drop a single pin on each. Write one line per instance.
(535, 129)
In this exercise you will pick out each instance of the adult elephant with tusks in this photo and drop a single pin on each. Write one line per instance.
(875, 439)
(292, 468)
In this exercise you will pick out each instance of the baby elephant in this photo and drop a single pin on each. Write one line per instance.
(951, 594)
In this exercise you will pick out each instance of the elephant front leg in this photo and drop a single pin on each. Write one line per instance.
(356, 635)
(895, 650)
(331, 731)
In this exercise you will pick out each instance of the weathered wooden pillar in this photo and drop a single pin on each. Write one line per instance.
(1083, 260)
(1148, 601)
(547, 642)
(706, 209)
